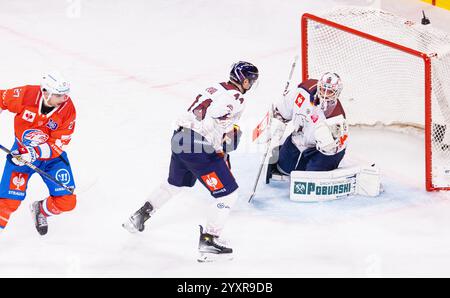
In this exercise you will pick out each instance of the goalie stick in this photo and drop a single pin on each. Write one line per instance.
(37, 170)
(267, 123)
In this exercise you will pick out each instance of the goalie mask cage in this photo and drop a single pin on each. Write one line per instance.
(395, 73)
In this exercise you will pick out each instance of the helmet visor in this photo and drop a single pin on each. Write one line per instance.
(252, 78)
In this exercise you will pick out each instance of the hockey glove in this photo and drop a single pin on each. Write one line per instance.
(338, 126)
(231, 139)
(325, 142)
(23, 154)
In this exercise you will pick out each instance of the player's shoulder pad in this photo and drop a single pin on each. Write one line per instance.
(227, 91)
(310, 87)
(31, 94)
(338, 110)
(67, 109)
(15, 98)
(216, 89)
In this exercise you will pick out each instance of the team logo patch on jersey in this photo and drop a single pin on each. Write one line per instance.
(212, 181)
(34, 137)
(28, 116)
(52, 124)
(63, 176)
(299, 100)
(17, 92)
(314, 118)
(211, 90)
(18, 181)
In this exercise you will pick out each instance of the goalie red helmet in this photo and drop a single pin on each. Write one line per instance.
(329, 87)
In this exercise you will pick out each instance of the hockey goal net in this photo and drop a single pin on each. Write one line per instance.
(395, 72)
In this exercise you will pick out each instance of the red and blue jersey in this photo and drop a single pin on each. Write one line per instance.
(47, 133)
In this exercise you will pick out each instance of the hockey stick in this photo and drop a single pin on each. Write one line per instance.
(269, 123)
(37, 170)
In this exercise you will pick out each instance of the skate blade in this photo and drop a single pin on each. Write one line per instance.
(211, 257)
(129, 226)
(279, 177)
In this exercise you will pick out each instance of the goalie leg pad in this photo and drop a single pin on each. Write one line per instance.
(314, 186)
(308, 186)
(368, 182)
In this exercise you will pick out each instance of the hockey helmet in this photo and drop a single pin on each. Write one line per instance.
(329, 87)
(244, 70)
(54, 83)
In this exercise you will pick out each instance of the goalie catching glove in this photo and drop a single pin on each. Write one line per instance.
(331, 135)
(23, 154)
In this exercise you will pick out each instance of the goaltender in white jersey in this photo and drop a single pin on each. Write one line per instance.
(320, 133)
(311, 154)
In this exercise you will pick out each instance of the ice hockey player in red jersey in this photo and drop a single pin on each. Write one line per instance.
(43, 125)
(206, 133)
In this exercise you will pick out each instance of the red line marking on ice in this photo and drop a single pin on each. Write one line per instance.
(165, 88)
(79, 56)
(114, 70)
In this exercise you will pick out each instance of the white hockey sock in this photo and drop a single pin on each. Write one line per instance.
(162, 194)
(219, 212)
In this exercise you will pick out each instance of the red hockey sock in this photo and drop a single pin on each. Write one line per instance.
(57, 205)
(7, 206)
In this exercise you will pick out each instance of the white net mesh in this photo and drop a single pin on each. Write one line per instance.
(383, 85)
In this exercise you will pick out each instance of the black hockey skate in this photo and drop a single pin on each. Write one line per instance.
(270, 168)
(212, 249)
(40, 220)
(274, 174)
(136, 221)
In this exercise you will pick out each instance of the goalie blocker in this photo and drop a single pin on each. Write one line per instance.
(309, 186)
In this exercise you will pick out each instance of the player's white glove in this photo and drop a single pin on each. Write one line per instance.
(338, 126)
(325, 142)
(331, 134)
(23, 154)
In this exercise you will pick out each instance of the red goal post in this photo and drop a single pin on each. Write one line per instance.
(390, 64)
